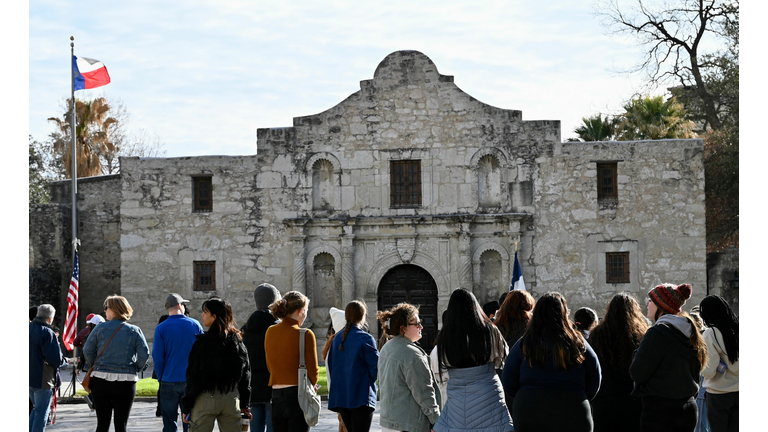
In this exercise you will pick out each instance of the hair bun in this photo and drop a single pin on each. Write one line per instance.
(684, 290)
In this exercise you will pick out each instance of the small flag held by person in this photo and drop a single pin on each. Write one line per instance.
(517, 277)
(89, 73)
(70, 327)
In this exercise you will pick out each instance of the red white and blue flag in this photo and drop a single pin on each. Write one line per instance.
(89, 73)
(517, 276)
(70, 327)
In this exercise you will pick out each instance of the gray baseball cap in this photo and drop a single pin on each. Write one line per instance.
(174, 299)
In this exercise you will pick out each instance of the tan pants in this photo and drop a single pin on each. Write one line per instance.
(222, 408)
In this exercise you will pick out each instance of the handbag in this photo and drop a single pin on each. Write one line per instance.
(87, 378)
(309, 400)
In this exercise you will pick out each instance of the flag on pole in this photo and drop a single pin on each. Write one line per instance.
(89, 73)
(70, 327)
(517, 277)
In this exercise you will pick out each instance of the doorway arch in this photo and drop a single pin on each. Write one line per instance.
(412, 284)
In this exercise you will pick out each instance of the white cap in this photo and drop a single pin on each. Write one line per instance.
(337, 317)
(96, 319)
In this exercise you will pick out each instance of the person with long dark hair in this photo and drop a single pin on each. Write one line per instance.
(118, 351)
(353, 366)
(615, 340)
(721, 375)
(514, 314)
(218, 373)
(551, 373)
(471, 348)
(281, 344)
(410, 400)
(667, 364)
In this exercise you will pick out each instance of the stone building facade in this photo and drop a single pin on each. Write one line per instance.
(406, 190)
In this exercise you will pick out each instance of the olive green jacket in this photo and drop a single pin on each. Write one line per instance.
(410, 399)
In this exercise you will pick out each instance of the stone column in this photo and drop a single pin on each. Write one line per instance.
(347, 266)
(299, 261)
(465, 257)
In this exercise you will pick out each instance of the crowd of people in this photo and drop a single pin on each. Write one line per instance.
(516, 365)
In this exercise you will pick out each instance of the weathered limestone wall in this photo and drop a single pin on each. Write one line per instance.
(659, 219)
(161, 235)
(49, 255)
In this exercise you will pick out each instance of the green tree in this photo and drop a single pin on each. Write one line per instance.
(93, 136)
(38, 184)
(653, 118)
(675, 35)
(596, 128)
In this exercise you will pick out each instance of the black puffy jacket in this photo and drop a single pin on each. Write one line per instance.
(253, 337)
(217, 365)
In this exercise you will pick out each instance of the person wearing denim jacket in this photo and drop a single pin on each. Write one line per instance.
(115, 372)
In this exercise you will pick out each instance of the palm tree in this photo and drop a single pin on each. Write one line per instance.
(653, 118)
(93, 136)
(596, 128)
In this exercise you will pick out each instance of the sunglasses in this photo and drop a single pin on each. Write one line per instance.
(417, 324)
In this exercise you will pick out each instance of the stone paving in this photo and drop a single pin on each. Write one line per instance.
(74, 417)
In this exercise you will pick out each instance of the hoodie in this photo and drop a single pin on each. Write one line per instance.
(666, 364)
(253, 337)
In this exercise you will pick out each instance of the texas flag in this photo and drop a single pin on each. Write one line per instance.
(89, 73)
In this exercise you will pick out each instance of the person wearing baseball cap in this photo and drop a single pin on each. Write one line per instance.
(668, 362)
(174, 338)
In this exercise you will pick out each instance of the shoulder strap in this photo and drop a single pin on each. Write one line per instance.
(110, 340)
(302, 333)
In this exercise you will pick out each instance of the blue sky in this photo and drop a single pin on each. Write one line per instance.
(203, 76)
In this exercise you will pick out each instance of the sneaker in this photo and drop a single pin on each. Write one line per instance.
(93, 413)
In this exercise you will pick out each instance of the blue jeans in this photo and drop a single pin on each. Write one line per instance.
(39, 416)
(170, 395)
(262, 416)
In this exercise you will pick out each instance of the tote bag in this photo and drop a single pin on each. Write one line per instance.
(309, 400)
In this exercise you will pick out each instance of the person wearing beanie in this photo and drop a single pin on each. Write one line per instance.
(253, 337)
(668, 362)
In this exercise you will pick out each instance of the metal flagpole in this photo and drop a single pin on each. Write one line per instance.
(73, 158)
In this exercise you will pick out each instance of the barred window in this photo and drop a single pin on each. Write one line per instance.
(405, 183)
(607, 189)
(203, 195)
(204, 275)
(617, 267)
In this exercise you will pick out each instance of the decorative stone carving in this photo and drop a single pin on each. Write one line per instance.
(406, 248)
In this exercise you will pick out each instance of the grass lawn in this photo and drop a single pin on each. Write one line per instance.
(149, 386)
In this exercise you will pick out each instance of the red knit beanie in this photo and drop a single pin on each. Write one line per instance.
(670, 298)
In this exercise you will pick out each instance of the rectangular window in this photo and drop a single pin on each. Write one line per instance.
(405, 183)
(204, 275)
(203, 195)
(617, 267)
(607, 189)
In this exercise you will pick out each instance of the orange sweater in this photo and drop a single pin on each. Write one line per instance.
(281, 344)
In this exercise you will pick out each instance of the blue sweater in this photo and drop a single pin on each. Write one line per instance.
(45, 356)
(583, 378)
(174, 338)
(353, 371)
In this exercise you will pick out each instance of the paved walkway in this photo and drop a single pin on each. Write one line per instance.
(75, 418)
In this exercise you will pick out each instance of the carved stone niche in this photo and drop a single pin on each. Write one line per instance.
(405, 248)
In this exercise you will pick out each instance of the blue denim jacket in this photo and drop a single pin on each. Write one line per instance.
(127, 353)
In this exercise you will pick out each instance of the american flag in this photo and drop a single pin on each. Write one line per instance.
(70, 327)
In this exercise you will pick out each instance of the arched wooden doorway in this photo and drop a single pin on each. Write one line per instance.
(414, 285)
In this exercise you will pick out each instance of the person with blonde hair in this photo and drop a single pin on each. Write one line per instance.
(353, 364)
(668, 362)
(281, 344)
(410, 399)
(118, 351)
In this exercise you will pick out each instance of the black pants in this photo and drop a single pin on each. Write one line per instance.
(287, 415)
(619, 413)
(111, 396)
(722, 411)
(550, 410)
(668, 415)
(356, 419)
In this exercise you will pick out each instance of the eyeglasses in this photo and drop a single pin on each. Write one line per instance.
(417, 324)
